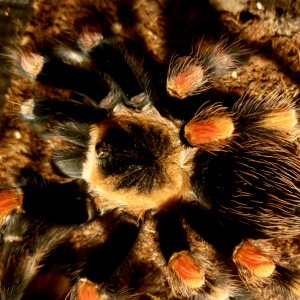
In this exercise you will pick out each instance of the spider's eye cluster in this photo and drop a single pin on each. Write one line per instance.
(103, 150)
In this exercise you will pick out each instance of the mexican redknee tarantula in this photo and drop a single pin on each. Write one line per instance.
(180, 153)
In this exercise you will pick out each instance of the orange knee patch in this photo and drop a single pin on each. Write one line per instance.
(252, 259)
(187, 81)
(9, 200)
(186, 269)
(87, 290)
(207, 131)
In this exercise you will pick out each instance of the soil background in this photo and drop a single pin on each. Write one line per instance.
(269, 28)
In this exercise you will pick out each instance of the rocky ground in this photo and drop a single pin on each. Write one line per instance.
(269, 28)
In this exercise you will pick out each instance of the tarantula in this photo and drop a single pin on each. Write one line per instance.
(227, 168)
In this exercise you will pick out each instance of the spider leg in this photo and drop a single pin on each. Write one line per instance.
(260, 267)
(10, 200)
(207, 225)
(87, 82)
(90, 69)
(70, 203)
(103, 260)
(249, 182)
(71, 120)
(257, 267)
(41, 110)
(106, 60)
(196, 266)
(228, 241)
(251, 258)
(25, 243)
(38, 254)
(289, 281)
(60, 203)
(95, 249)
(54, 69)
(175, 249)
(125, 72)
(192, 74)
(88, 290)
(39, 197)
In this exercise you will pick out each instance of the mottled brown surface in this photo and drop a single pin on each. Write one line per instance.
(271, 30)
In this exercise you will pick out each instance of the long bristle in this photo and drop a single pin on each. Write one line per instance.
(295, 286)
(221, 57)
(272, 111)
(280, 120)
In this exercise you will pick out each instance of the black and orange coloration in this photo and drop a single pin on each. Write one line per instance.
(197, 72)
(228, 172)
(11, 199)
